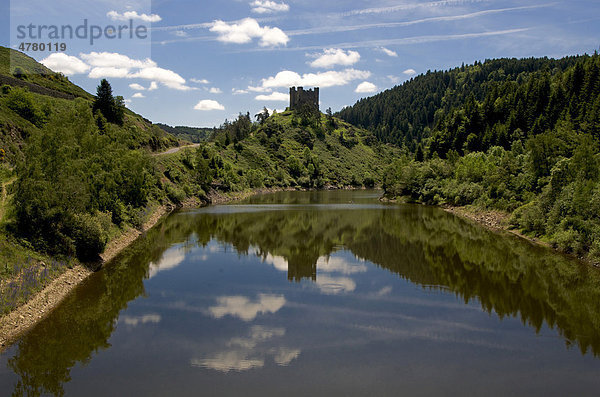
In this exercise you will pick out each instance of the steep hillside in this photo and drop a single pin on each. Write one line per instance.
(409, 113)
(18, 69)
(529, 147)
(280, 152)
(30, 94)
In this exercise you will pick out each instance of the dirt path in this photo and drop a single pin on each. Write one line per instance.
(175, 149)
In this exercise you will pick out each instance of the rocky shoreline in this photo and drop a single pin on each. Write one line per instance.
(493, 220)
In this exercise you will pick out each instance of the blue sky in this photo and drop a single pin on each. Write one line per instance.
(205, 61)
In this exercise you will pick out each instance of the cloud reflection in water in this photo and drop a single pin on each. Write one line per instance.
(245, 309)
(242, 354)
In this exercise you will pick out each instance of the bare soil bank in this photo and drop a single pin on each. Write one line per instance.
(23, 318)
(18, 321)
(494, 220)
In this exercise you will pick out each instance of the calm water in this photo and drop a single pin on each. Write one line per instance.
(328, 293)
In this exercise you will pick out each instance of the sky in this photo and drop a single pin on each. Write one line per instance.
(197, 63)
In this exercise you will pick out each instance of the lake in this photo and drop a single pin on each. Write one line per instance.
(320, 293)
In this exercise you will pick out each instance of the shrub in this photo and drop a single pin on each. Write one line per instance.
(21, 102)
(530, 218)
(91, 234)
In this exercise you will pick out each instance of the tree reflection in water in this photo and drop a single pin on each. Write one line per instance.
(426, 246)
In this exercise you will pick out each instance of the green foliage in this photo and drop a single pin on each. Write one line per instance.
(19, 73)
(112, 108)
(90, 232)
(20, 101)
(73, 180)
(38, 77)
(527, 131)
(309, 115)
(190, 134)
(262, 117)
(494, 103)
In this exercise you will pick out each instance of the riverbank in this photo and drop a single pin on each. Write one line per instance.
(24, 317)
(496, 220)
(499, 221)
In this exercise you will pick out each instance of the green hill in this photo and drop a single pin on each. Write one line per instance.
(191, 134)
(18, 69)
(284, 151)
(72, 181)
(414, 111)
(527, 144)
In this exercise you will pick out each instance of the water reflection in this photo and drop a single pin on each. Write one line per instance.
(426, 246)
(244, 308)
(244, 353)
(144, 319)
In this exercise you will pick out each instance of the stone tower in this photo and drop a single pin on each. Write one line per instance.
(299, 97)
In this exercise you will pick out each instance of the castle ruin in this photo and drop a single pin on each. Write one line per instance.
(300, 96)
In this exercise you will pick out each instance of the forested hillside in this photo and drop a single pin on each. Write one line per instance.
(443, 101)
(528, 146)
(191, 134)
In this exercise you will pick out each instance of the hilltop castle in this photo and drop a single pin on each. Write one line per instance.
(299, 97)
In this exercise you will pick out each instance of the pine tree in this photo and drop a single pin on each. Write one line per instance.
(112, 109)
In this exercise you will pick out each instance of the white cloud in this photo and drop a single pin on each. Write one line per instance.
(236, 91)
(384, 291)
(288, 78)
(366, 87)
(199, 81)
(165, 76)
(388, 52)
(138, 95)
(153, 86)
(108, 72)
(180, 33)
(393, 79)
(274, 96)
(268, 7)
(127, 15)
(137, 87)
(278, 262)
(409, 72)
(247, 29)
(232, 360)
(115, 60)
(335, 56)
(409, 6)
(245, 309)
(65, 64)
(209, 104)
(115, 65)
(215, 90)
(285, 355)
(259, 89)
